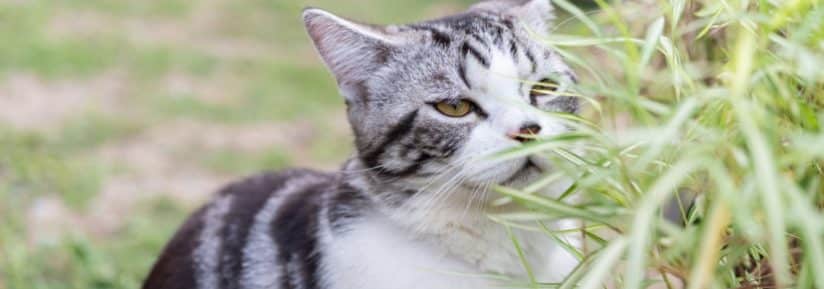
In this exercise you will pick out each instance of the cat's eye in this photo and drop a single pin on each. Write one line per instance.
(460, 108)
(544, 87)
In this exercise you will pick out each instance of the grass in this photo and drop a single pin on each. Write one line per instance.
(246, 163)
(717, 99)
(269, 93)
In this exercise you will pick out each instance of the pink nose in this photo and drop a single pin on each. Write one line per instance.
(526, 132)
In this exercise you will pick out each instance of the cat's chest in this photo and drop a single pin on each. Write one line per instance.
(375, 255)
(378, 255)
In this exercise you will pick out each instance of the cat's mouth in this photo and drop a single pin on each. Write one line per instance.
(526, 173)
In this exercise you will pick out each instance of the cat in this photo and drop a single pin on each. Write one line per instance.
(428, 104)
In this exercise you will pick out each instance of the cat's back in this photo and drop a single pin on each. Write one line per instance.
(252, 234)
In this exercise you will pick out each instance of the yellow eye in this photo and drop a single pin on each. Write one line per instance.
(458, 109)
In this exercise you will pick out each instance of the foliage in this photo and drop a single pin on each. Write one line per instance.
(723, 100)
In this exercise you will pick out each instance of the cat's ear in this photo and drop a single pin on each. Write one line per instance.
(537, 15)
(351, 50)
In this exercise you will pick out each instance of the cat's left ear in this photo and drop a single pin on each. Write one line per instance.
(537, 15)
(352, 51)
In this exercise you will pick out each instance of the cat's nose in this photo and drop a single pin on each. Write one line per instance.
(526, 133)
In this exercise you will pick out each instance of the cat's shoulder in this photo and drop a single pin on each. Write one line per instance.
(265, 183)
(211, 241)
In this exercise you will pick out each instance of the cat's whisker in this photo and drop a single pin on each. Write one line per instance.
(437, 199)
(458, 164)
(472, 196)
(433, 196)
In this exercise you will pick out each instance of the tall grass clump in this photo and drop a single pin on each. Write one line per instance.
(708, 110)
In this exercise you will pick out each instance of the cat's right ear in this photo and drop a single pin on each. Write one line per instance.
(351, 50)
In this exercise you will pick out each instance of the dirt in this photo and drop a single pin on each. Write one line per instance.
(28, 102)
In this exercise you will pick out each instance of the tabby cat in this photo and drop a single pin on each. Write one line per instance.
(428, 104)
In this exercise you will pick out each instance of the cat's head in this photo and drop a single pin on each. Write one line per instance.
(438, 98)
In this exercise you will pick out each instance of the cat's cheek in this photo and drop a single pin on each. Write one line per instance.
(551, 126)
(542, 163)
(475, 157)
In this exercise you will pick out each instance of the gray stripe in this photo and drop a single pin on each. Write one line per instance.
(294, 269)
(469, 50)
(207, 253)
(260, 255)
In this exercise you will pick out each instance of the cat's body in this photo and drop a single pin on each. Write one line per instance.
(428, 103)
(305, 229)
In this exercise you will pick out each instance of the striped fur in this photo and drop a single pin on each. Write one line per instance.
(410, 206)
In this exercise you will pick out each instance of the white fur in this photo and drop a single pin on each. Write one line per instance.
(379, 255)
(462, 254)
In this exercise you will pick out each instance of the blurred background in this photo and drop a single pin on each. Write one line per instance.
(117, 118)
